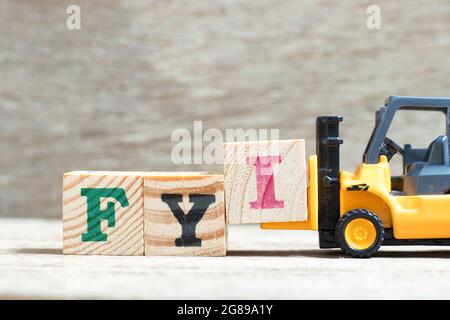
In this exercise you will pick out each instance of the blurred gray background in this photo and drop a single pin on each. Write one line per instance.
(108, 96)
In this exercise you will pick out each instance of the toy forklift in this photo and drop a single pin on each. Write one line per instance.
(358, 212)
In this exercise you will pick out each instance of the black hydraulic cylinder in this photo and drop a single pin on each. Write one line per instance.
(327, 149)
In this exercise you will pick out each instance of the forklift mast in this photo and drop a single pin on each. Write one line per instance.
(327, 149)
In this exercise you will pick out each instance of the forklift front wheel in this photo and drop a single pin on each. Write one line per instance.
(359, 233)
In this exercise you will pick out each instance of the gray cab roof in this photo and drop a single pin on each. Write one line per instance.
(386, 113)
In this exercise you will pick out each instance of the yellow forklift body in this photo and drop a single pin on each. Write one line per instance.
(410, 217)
(369, 187)
(312, 222)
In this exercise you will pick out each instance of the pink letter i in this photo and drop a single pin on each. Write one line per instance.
(264, 182)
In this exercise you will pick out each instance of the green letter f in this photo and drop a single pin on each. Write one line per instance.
(95, 215)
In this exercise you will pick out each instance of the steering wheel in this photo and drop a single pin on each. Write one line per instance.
(389, 148)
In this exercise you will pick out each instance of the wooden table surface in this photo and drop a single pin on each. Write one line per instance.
(260, 264)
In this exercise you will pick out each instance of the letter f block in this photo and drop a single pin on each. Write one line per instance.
(103, 213)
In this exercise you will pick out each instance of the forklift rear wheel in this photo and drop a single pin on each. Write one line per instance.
(359, 233)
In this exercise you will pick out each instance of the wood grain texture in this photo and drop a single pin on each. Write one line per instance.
(286, 179)
(162, 227)
(98, 97)
(126, 237)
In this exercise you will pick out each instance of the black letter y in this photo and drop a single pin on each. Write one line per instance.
(188, 221)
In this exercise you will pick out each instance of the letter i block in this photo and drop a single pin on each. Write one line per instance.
(265, 181)
(184, 214)
(103, 213)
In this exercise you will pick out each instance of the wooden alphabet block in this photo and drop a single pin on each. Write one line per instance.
(184, 214)
(265, 181)
(103, 213)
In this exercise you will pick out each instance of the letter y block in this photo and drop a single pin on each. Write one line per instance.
(184, 214)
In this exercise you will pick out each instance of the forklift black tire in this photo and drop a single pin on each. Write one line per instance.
(359, 233)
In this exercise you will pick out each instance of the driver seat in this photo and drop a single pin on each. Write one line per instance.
(431, 175)
(437, 154)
